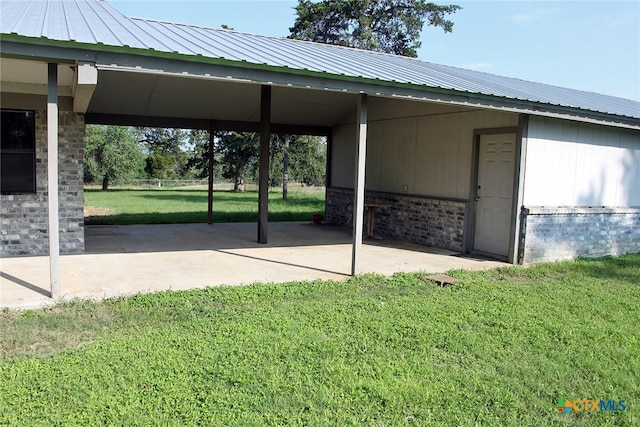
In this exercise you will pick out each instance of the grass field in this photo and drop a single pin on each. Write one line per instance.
(499, 349)
(156, 206)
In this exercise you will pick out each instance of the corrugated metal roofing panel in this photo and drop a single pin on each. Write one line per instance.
(97, 22)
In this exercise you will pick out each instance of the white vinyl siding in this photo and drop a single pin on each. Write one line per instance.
(426, 147)
(579, 164)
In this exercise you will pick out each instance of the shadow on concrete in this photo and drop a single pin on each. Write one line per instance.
(124, 260)
(25, 284)
(476, 257)
(186, 217)
(288, 264)
(147, 238)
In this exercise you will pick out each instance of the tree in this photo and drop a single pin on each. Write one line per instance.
(161, 165)
(285, 165)
(237, 157)
(308, 159)
(276, 160)
(391, 26)
(198, 164)
(111, 152)
(164, 140)
(298, 157)
(239, 154)
(167, 159)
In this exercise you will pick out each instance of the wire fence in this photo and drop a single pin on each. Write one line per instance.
(159, 184)
(186, 184)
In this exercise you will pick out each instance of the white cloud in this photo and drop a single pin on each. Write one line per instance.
(531, 15)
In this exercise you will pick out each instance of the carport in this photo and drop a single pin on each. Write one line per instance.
(432, 131)
(121, 71)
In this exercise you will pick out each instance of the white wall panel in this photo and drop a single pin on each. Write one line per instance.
(628, 177)
(426, 147)
(547, 163)
(343, 156)
(437, 149)
(579, 164)
(391, 143)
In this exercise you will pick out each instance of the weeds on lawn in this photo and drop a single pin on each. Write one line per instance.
(499, 349)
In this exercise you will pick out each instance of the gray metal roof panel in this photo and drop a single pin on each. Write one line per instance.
(96, 22)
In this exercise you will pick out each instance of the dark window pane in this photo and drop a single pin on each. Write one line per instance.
(18, 131)
(17, 173)
(17, 152)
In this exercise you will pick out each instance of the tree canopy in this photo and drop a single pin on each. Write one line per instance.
(391, 26)
(111, 152)
(167, 158)
(239, 154)
(123, 153)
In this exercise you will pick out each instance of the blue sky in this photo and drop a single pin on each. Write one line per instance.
(586, 45)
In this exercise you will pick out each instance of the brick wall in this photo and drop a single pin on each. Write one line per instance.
(552, 234)
(422, 220)
(24, 218)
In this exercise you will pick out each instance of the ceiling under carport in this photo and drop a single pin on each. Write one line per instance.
(141, 94)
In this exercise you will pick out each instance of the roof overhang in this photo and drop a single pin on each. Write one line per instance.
(85, 80)
(163, 85)
(27, 78)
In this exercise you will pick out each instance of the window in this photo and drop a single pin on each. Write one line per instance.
(17, 152)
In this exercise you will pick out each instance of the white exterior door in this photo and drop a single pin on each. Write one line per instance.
(494, 194)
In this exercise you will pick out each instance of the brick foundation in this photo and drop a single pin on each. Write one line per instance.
(552, 234)
(24, 217)
(422, 220)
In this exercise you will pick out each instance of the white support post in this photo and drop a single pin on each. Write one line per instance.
(358, 197)
(52, 184)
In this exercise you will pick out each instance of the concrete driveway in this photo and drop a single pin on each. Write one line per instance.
(122, 260)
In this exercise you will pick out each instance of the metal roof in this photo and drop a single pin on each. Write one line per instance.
(95, 24)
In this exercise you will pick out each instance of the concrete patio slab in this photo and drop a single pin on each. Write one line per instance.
(121, 260)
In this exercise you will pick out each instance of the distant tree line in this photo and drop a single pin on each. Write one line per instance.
(119, 152)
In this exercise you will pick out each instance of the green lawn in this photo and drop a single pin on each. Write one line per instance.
(499, 349)
(187, 206)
